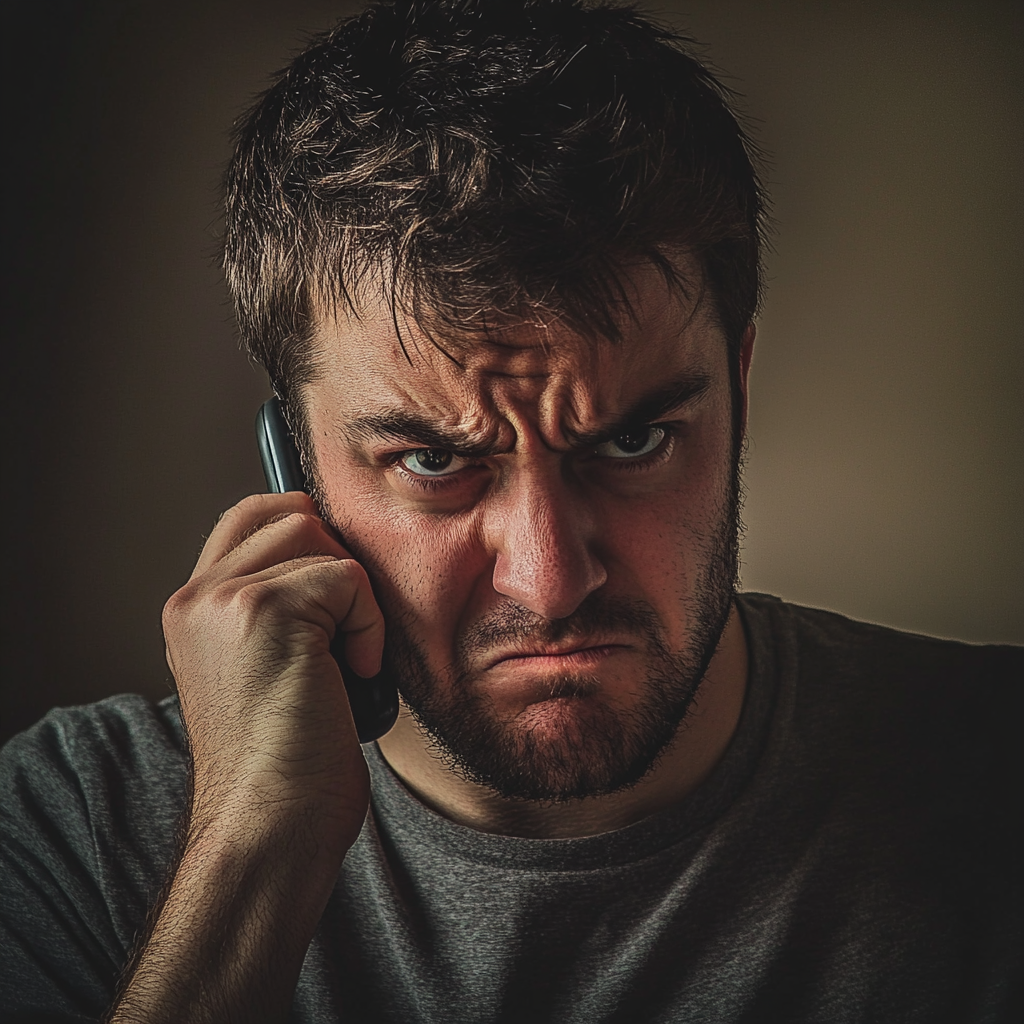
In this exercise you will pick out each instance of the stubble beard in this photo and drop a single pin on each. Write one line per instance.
(574, 748)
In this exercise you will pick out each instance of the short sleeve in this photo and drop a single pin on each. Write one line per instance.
(90, 798)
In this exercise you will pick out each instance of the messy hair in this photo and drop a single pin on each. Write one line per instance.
(473, 158)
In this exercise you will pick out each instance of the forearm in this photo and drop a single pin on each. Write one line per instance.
(228, 943)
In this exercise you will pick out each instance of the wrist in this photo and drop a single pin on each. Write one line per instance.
(287, 835)
(310, 817)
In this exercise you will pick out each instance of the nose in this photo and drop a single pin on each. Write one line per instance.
(542, 531)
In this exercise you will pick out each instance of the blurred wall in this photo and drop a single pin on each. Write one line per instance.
(885, 472)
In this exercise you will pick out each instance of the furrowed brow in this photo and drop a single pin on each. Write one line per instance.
(418, 432)
(651, 407)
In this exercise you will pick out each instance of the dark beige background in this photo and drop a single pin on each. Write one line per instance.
(886, 472)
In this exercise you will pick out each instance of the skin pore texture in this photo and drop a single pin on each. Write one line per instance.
(549, 525)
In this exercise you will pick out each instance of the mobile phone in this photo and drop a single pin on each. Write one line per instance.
(374, 702)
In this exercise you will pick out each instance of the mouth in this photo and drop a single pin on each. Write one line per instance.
(554, 657)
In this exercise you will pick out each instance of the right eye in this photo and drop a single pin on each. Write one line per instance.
(432, 462)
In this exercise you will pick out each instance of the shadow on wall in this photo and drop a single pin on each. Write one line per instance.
(885, 472)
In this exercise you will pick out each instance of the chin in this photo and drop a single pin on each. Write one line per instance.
(560, 720)
(559, 749)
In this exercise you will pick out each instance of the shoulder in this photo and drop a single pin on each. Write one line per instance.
(885, 809)
(840, 654)
(90, 799)
(124, 718)
(927, 716)
(121, 741)
(97, 784)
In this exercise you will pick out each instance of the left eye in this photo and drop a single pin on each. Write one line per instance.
(432, 462)
(632, 443)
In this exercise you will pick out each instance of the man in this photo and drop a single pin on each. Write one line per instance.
(501, 262)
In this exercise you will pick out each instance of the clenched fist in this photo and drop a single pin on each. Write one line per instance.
(248, 640)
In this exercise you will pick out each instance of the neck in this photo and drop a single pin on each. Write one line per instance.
(697, 747)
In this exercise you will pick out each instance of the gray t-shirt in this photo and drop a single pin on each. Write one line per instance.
(853, 857)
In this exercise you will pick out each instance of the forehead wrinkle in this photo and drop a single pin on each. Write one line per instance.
(536, 403)
(574, 396)
(591, 405)
(569, 388)
(434, 418)
(567, 396)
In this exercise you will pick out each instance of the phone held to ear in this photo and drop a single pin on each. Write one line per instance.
(374, 702)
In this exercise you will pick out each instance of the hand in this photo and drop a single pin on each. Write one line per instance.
(280, 787)
(262, 698)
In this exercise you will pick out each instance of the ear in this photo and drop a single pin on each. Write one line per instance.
(746, 353)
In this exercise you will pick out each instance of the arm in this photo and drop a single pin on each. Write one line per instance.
(279, 785)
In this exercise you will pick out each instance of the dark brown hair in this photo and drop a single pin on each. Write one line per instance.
(482, 157)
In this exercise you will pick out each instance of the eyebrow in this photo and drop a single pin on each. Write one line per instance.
(411, 428)
(418, 431)
(686, 389)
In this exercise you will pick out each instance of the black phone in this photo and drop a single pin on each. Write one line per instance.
(374, 702)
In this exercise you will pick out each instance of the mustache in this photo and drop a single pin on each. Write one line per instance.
(513, 624)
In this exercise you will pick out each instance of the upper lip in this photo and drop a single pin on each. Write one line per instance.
(548, 650)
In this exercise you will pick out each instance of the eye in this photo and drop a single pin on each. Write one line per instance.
(632, 443)
(431, 462)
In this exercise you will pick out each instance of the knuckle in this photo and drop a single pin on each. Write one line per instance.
(300, 520)
(347, 578)
(178, 605)
(256, 511)
(297, 523)
(169, 617)
(254, 504)
(252, 603)
(330, 568)
(244, 510)
(310, 527)
(350, 570)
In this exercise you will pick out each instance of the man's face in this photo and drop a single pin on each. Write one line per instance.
(550, 529)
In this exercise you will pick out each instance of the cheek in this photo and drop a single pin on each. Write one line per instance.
(420, 566)
(658, 544)
(425, 570)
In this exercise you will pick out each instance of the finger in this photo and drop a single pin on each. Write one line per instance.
(295, 535)
(334, 595)
(361, 621)
(245, 519)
